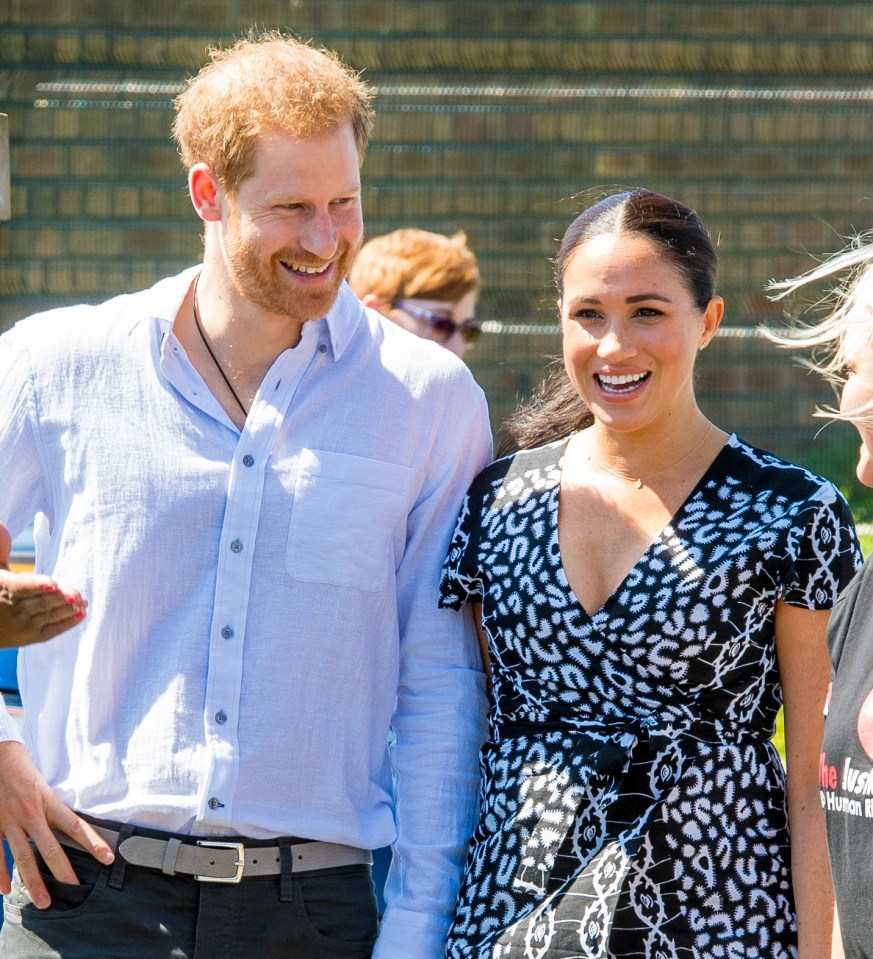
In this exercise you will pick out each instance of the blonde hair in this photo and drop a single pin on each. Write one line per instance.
(847, 325)
(266, 80)
(411, 263)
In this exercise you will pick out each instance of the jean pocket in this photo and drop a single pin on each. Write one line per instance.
(338, 910)
(66, 898)
(344, 516)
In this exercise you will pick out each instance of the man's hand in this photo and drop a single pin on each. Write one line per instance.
(30, 810)
(33, 608)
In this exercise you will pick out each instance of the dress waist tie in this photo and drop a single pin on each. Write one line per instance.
(574, 775)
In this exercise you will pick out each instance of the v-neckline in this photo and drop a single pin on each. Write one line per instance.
(659, 539)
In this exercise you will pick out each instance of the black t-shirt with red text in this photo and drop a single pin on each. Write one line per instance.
(846, 763)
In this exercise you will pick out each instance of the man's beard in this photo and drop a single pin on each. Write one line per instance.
(261, 282)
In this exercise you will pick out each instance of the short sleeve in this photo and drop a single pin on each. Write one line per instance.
(825, 554)
(460, 582)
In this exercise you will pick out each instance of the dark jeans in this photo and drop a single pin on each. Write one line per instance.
(331, 915)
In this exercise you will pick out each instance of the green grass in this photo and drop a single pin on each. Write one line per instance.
(779, 736)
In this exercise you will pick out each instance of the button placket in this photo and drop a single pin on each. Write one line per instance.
(232, 585)
(226, 657)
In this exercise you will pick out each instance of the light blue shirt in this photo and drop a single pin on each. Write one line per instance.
(262, 605)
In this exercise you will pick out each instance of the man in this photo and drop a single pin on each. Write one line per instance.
(252, 479)
(425, 282)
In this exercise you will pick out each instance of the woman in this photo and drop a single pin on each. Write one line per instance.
(846, 766)
(637, 572)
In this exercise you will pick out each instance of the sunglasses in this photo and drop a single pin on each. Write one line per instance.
(441, 325)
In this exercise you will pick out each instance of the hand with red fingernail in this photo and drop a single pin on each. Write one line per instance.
(33, 608)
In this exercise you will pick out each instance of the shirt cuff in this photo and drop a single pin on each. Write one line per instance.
(411, 935)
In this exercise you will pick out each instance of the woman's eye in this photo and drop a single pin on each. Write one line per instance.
(649, 312)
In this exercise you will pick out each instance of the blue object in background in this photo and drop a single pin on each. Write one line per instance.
(8, 673)
(381, 862)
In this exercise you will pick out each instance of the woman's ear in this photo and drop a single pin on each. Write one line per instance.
(377, 303)
(712, 317)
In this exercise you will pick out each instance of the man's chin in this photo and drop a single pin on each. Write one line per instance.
(301, 306)
(313, 306)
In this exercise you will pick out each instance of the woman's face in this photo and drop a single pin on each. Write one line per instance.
(857, 395)
(631, 331)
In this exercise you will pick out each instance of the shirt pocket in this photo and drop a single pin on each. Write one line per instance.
(343, 519)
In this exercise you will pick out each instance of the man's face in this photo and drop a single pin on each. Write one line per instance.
(293, 228)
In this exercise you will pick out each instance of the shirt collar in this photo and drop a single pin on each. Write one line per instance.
(163, 301)
(343, 319)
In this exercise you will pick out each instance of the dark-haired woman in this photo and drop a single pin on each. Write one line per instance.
(649, 590)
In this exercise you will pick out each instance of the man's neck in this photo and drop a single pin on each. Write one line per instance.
(234, 344)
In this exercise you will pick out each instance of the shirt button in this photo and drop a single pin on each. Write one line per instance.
(215, 803)
(227, 633)
(322, 347)
(221, 717)
(236, 546)
(248, 460)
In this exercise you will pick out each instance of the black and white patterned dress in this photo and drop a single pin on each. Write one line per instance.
(631, 802)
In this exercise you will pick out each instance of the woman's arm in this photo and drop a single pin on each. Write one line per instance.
(804, 669)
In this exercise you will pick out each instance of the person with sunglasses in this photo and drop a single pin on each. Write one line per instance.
(425, 282)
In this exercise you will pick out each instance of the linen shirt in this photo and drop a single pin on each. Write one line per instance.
(262, 605)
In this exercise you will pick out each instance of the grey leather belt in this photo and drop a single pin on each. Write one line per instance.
(219, 860)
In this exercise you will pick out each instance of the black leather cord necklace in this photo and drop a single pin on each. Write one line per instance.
(245, 412)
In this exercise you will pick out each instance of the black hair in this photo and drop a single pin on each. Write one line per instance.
(556, 410)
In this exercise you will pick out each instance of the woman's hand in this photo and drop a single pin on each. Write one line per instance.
(33, 608)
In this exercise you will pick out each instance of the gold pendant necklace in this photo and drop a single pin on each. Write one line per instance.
(639, 480)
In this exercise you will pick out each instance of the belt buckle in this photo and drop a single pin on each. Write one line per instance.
(240, 862)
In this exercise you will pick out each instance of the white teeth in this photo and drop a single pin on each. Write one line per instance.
(610, 380)
(311, 270)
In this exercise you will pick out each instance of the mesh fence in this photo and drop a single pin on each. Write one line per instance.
(501, 119)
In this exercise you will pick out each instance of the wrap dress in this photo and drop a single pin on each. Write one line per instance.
(631, 801)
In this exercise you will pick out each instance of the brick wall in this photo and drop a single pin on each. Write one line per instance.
(499, 118)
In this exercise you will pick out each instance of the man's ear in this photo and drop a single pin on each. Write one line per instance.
(205, 191)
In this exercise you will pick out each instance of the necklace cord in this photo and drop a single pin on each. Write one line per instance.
(639, 480)
(233, 392)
